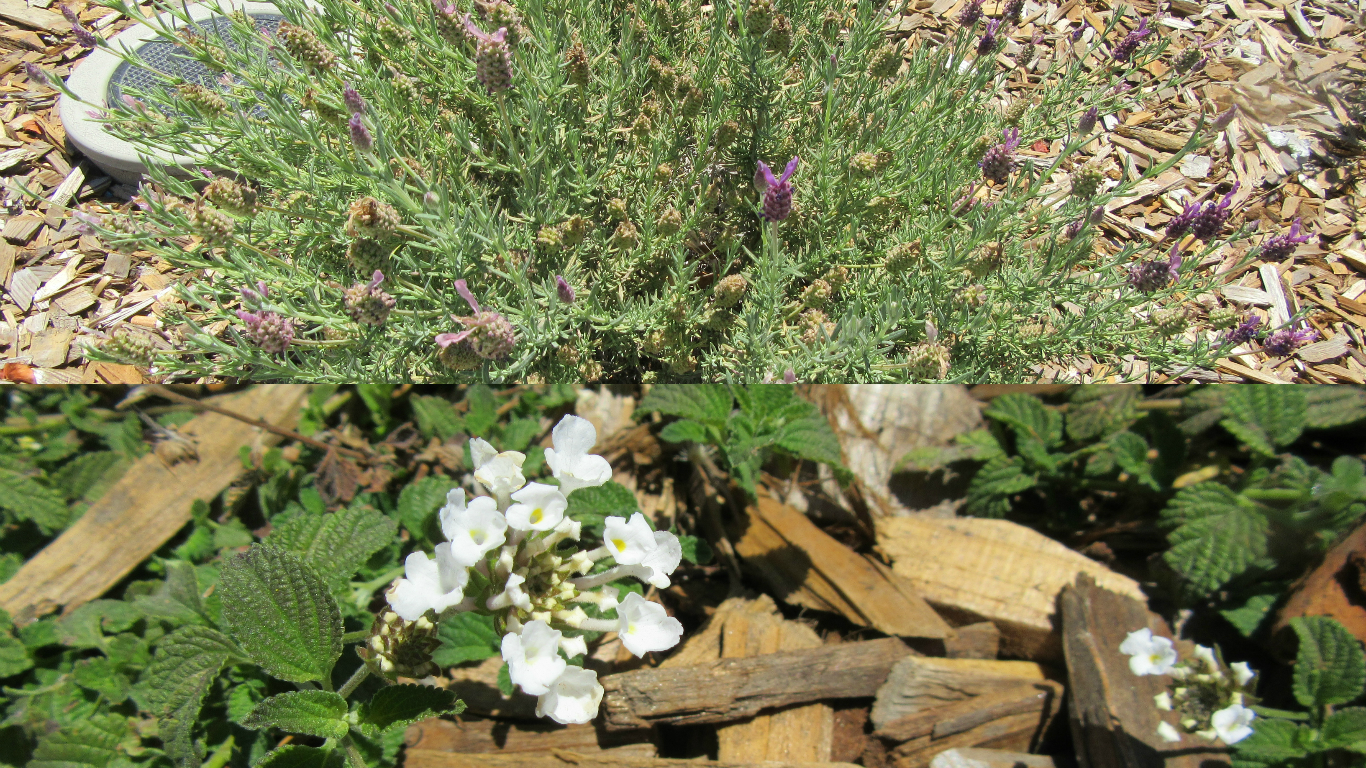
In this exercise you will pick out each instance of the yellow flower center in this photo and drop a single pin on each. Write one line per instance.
(535, 515)
(619, 544)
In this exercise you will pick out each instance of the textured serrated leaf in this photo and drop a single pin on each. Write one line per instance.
(182, 657)
(281, 613)
(1248, 616)
(1264, 416)
(708, 403)
(1131, 454)
(419, 501)
(1028, 416)
(505, 680)
(1216, 543)
(1271, 742)
(1329, 667)
(295, 756)
(176, 726)
(177, 598)
(1345, 728)
(683, 430)
(85, 626)
(308, 713)
(436, 417)
(1333, 406)
(27, 499)
(482, 413)
(767, 399)
(82, 745)
(696, 551)
(338, 544)
(591, 506)
(991, 488)
(100, 675)
(400, 705)
(811, 438)
(1097, 410)
(466, 636)
(1199, 501)
(89, 475)
(14, 657)
(242, 699)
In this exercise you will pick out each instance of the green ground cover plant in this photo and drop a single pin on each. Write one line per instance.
(587, 189)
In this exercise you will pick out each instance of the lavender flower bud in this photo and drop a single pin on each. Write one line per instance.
(270, 331)
(564, 290)
(1222, 121)
(1149, 276)
(576, 62)
(1169, 321)
(487, 332)
(366, 303)
(1013, 11)
(1245, 332)
(353, 101)
(360, 135)
(999, 161)
(971, 13)
(1086, 182)
(1088, 121)
(989, 40)
(1073, 229)
(730, 289)
(1209, 222)
(84, 37)
(1284, 342)
(777, 191)
(1280, 247)
(35, 73)
(368, 217)
(305, 46)
(1124, 49)
(1077, 33)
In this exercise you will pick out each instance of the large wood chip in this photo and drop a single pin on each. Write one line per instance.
(919, 684)
(504, 737)
(421, 758)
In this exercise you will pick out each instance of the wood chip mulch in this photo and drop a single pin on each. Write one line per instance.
(1297, 149)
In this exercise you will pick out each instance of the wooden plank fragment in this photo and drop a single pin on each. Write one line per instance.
(955, 717)
(1013, 732)
(727, 690)
(917, 684)
(145, 508)
(18, 12)
(1114, 723)
(994, 570)
(503, 737)
(806, 566)
(559, 758)
(976, 757)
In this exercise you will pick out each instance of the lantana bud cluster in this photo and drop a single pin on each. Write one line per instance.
(1209, 700)
(503, 556)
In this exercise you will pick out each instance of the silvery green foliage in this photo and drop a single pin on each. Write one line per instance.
(504, 557)
(623, 158)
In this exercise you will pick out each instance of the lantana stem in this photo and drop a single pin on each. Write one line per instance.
(353, 682)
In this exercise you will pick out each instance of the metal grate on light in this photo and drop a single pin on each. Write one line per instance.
(102, 77)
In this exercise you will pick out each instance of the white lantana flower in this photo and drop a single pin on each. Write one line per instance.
(663, 559)
(1148, 655)
(1168, 732)
(473, 530)
(628, 542)
(1232, 724)
(1163, 701)
(1242, 673)
(1206, 655)
(574, 646)
(533, 657)
(500, 473)
(514, 592)
(434, 584)
(570, 461)
(573, 698)
(539, 507)
(646, 627)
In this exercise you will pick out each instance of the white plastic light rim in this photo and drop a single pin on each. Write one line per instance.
(90, 81)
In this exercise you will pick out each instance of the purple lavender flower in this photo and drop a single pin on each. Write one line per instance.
(492, 60)
(1077, 33)
(1097, 215)
(88, 222)
(35, 73)
(1073, 229)
(1210, 221)
(1245, 332)
(487, 332)
(1124, 49)
(971, 13)
(366, 303)
(84, 37)
(989, 39)
(1284, 342)
(777, 192)
(1150, 276)
(352, 98)
(789, 376)
(360, 135)
(254, 298)
(1221, 122)
(1088, 121)
(1121, 88)
(999, 161)
(1012, 11)
(1182, 221)
(564, 289)
(1280, 247)
(268, 330)
(1174, 263)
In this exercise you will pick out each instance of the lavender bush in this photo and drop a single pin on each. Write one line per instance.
(620, 155)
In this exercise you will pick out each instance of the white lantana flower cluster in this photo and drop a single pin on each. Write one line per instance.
(501, 556)
(1208, 700)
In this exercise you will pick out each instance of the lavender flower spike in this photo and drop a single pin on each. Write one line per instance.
(777, 192)
(1182, 221)
(1245, 332)
(487, 332)
(1088, 121)
(1124, 49)
(492, 60)
(989, 39)
(84, 37)
(1284, 342)
(35, 73)
(1210, 221)
(564, 289)
(999, 161)
(1174, 263)
(1280, 247)
(970, 13)
(352, 98)
(360, 135)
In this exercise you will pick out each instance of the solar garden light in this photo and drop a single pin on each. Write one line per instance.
(101, 79)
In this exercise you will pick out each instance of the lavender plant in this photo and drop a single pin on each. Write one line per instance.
(604, 151)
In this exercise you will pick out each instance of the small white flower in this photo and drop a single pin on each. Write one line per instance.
(500, 473)
(540, 507)
(608, 601)
(646, 627)
(1168, 732)
(434, 584)
(1232, 724)
(628, 542)
(570, 528)
(663, 559)
(515, 594)
(574, 646)
(573, 698)
(1242, 673)
(533, 657)
(473, 530)
(570, 461)
(1163, 701)
(1206, 655)
(1149, 655)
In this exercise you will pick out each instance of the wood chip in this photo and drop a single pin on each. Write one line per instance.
(23, 285)
(1324, 351)
(20, 229)
(49, 348)
(1281, 311)
(1245, 295)
(20, 13)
